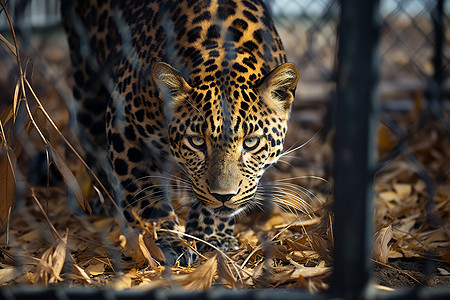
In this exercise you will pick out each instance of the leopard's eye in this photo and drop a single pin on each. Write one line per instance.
(251, 143)
(196, 141)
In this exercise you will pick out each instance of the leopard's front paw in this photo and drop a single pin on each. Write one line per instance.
(176, 250)
(222, 241)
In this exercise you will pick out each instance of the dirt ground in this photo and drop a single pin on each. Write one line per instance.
(412, 273)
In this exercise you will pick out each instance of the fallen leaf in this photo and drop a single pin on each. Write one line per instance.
(95, 269)
(307, 272)
(403, 190)
(8, 44)
(70, 180)
(383, 288)
(388, 196)
(408, 223)
(30, 236)
(386, 138)
(443, 271)
(121, 282)
(58, 258)
(201, 279)
(45, 271)
(321, 246)
(7, 180)
(145, 251)
(8, 274)
(380, 247)
(155, 251)
(224, 271)
(80, 275)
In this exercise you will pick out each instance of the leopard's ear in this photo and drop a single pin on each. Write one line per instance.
(171, 85)
(277, 88)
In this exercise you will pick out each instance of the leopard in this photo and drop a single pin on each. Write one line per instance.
(198, 87)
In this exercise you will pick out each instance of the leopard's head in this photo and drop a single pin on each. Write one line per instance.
(226, 130)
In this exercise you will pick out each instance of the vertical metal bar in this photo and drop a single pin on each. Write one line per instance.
(438, 22)
(435, 84)
(354, 164)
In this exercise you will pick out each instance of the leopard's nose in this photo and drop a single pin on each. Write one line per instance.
(223, 197)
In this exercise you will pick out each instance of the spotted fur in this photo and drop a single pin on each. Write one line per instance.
(202, 83)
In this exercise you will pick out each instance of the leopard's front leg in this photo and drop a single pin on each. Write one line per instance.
(216, 230)
(148, 197)
(139, 162)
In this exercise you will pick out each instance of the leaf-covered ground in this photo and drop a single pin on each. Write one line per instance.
(47, 239)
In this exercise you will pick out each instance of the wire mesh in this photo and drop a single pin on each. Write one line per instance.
(414, 66)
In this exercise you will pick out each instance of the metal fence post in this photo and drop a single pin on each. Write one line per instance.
(354, 146)
(435, 84)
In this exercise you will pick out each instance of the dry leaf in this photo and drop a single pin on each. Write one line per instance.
(298, 274)
(298, 225)
(321, 246)
(307, 272)
(95, 269)
(16, 101)
(44, 268)
(386, 139)
(70, 179)
(30, 236)
(145, 251)
(8, 44)
(408, 253)
(443, 272)
(104, 225)
(50, 265)
(388, 196)
(380, 247)
(121, 283)
(202, 277)
(408, 223)
(383, 288)
(395, 253)
(122, 241)
(434, 236)
(7, 181)
(403, 190)
(6, 115)
(135, 245)
(298, 245)
(58, 258)
(80, 275)
(224, 271)
(148, 284)
(8, 274)
(155, 251)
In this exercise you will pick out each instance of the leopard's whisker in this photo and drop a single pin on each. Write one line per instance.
(280, 198)
(284, 162)
(135, 200)
(293, 200)
(303, 177)
(160, 186)
(288, 196)
(277, 202)
(301, 146)
(156, 201)
(173, 178)
(297, 190)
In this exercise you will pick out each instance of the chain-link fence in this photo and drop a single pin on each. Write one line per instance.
(372, 116)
